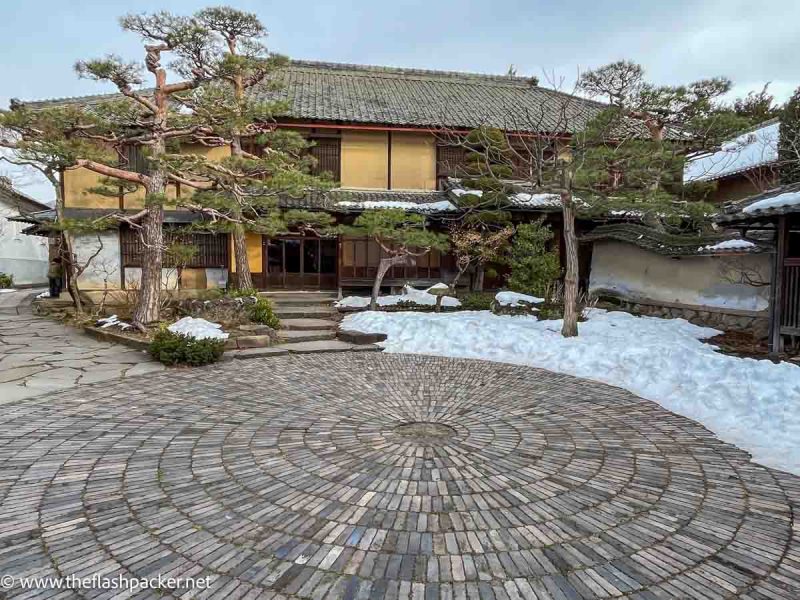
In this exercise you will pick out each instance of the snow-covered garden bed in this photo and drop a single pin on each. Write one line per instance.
(410, 294)
(752, 404)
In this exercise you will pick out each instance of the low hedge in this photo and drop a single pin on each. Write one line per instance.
(176, 349)
(262, 312)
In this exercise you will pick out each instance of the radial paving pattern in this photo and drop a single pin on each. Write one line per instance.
(380, 476)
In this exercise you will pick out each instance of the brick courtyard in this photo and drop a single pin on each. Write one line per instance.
(364, 476)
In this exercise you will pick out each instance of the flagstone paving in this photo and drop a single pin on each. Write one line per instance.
(368, 476)
(39, 355)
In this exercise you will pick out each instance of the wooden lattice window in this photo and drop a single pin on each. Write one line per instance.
(212, 248)
(135, 159)
(451, 161)
(328, 153)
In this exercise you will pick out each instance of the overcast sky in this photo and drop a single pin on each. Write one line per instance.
(676, 41)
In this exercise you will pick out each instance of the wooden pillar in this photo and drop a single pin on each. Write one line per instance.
(776, 289)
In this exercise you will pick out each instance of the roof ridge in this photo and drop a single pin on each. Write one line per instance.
(390, 70)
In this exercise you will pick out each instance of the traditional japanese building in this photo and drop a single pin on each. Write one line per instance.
(379, 132)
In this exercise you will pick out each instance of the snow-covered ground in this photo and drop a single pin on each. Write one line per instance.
(516, 299)
(409, 294)
(753, 404)
(199, 329)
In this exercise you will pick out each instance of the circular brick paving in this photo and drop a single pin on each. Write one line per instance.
(389, 476)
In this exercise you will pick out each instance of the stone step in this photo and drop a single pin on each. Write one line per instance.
(307, 324)
(303, 312)
(325, 346)
(307, 335)
(301, 301)
(253, 353)
(300, 296)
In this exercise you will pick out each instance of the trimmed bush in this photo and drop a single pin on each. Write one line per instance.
(477, 301)
(6, 280)
(176, 349)
(262, 312)
(241, 293)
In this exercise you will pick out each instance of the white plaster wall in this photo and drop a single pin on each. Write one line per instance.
(23, 256)
(169, 278)
(104, 266)
(629, 272)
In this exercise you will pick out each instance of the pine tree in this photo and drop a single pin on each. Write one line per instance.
(244, 188)
(402, 236)
(628, 158)
(45, 139)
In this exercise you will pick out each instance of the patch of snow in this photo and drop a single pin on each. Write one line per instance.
(463, 192)
(728, 245)
(199, 329)
(747, 151)
(440, 206)
(779, 201)
(536, 200)
(112, 321)
(522, 199)
(514, 299)
(438, 286)
(44, 295)
(753, 404)
(7, 290)
(409, 294)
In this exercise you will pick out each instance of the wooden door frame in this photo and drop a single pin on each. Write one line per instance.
(265, 259)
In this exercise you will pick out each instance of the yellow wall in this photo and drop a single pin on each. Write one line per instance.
(365, 159)
(193, 279)
(76, 182)
(253, 252)
(413, 161)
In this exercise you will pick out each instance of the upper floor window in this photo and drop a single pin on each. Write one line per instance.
(135, 159)
(328, 153)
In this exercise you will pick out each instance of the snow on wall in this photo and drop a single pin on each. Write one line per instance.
(23, 256)
(626, 271)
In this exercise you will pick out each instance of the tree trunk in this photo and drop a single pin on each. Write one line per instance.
(65, 249)
(383, 268)
(148, 303)
(68, 263)
(570, 326)
(244, 279)
(458, 276)
(479, 277)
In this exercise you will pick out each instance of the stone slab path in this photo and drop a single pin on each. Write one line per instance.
(363, 476)
(41, 356)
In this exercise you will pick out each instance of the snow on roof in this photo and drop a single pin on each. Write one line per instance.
(728, 245)
(520, 199)
(779, 201)
(429, 207)
(750, 150)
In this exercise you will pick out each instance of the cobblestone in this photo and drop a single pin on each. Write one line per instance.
(363, 475)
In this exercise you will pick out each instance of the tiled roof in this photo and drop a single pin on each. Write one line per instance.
(670, 244)
(20, 201)
(345, 93)
(782, 200)
(752, 149)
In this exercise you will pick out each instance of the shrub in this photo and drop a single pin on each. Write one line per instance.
(262, 312)
(534, 268)
(6, 280)
(176, 349)
(477, 301)
(241, 293)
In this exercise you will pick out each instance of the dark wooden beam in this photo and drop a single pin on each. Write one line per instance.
(776, 289)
